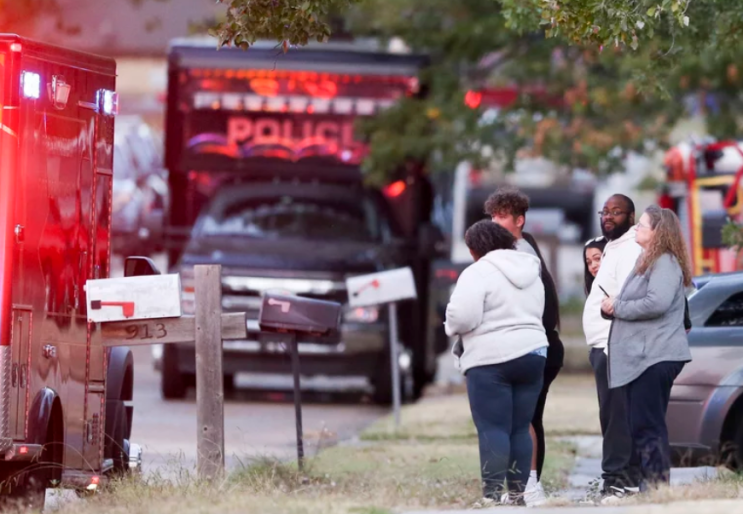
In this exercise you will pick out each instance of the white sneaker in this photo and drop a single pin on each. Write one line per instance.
(614, 496)
(506, 499)
(484, 503)
(534, 495)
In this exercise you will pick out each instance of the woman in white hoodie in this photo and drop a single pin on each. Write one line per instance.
(496, 309)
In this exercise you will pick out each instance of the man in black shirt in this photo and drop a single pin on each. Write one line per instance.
(507, 207)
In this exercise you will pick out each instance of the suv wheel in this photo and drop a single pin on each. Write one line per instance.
(172, 381)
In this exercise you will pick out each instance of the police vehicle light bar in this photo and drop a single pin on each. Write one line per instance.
(31, 84)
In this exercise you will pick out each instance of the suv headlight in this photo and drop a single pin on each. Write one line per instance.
(361, 314)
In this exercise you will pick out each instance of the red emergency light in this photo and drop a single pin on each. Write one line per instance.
(395, 189)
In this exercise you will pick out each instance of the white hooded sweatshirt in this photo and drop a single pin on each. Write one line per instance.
(618, 261)
(496, 308)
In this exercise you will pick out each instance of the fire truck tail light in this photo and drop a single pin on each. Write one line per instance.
(109, 102)
(23, 450)
(31, 83)
(16, 47)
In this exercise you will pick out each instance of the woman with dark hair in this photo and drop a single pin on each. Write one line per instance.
(496, 309)
(648, 346)
(592, 253)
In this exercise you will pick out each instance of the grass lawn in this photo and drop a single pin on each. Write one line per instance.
(432, 462)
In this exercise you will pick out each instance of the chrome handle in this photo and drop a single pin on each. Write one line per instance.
(23, 373)
(20, 233)
(14, 375)
(49, 351)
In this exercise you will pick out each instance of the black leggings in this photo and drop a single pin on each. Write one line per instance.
(550, 373)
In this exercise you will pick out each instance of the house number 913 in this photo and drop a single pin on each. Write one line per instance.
(146, 331)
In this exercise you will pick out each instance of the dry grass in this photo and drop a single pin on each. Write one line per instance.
(572, 406)
(373, 478)
(378, 475)
(727, 485)
(572, 409)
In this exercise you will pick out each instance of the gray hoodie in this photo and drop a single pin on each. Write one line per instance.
(496, 308)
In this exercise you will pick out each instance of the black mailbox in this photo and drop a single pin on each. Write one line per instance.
(282, 313)
(293, 314)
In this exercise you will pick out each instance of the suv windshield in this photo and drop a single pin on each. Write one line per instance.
(284, 217)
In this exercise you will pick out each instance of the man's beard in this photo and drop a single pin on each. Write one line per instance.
(618, 231)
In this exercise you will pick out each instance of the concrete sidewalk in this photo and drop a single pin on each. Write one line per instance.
(696, 507)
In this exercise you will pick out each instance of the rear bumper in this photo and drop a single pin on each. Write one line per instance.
(358, 353)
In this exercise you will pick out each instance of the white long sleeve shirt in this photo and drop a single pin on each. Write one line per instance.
(618, 261)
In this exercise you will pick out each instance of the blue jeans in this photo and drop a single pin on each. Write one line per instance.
(503, 398)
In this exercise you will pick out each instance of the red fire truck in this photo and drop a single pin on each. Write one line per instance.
(65, 400)
(703, 188)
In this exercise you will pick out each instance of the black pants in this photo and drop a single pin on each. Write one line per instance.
(502, 400)
(647, 403)
(619, 467)
(550, 374)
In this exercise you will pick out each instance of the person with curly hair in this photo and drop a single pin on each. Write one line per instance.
(648, 345)
(507, 207)
(496, 311)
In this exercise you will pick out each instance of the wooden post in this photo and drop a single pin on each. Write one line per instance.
(209, 378)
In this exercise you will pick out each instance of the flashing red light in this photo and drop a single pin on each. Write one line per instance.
(265, 87)
(23, 450)
(395, 189)
(16, 47)
(95, 480)
(322, 89)
(450, 274)
(473, 99)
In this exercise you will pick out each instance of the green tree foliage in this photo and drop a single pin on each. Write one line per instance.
(291, 22)
(597, 77)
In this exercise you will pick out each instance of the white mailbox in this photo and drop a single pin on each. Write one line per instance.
(380, 288)
(133, 298)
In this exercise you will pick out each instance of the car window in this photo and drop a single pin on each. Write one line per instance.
(288, 217)
(729, 313)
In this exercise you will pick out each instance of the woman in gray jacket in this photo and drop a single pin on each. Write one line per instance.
(647, 343)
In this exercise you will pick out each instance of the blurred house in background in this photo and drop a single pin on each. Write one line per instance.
(135, 32)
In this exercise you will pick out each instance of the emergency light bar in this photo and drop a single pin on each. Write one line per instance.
(295, 104)
(31, 84)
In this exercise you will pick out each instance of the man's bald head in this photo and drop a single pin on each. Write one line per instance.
(626, 201)
(617, 216)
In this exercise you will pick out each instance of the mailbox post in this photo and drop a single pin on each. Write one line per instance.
(130, 314)
(140, 310)
(385, 287)
(292, 316)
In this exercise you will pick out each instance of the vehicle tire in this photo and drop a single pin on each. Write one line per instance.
(120, 443)
(732, 451)
(382, 383)
(229, 383)
(172, 380)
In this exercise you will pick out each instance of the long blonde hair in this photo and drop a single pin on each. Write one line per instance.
(667, 239)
